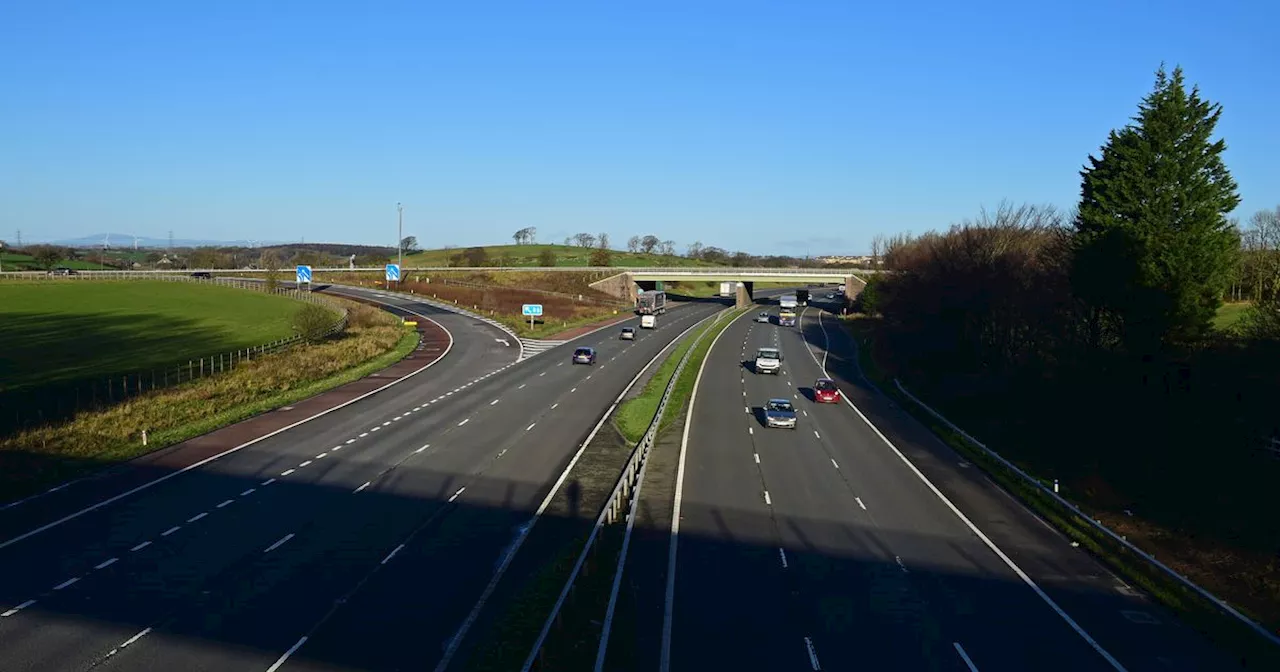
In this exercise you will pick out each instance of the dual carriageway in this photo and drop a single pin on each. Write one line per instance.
(369, 537)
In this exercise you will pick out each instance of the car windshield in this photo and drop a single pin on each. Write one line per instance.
(767, 354)
(824, 385)
(784, 406)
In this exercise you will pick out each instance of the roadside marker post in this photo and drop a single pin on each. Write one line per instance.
(532, 310)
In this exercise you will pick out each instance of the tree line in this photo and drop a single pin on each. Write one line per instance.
(1085, 341)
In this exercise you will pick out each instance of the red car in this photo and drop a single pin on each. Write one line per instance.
(826, 392)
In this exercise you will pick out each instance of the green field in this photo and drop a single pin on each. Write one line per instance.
(527, 255)
(55, 332)
(1229, 314)
(25, 262)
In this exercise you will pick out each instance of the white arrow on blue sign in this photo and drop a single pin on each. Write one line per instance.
(534, 309)
(304, 274)
(393, 273)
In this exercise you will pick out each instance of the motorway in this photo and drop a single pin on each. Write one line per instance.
(820, 548)
(358, 540)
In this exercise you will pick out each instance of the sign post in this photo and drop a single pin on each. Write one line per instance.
(393, 273)
(532, 310)
(304, 276)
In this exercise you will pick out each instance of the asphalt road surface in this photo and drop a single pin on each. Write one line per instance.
(820, 548)
(370, 531)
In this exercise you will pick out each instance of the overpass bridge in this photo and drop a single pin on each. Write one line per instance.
(627, 284)
(623, 284)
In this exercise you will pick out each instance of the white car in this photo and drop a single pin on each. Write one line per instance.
(763, 318)
(768, 360)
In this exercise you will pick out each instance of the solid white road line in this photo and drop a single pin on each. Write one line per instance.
(211, 458)
(392, 554)
(783, 554)
(106, 563)
(276, 665)
(965, 657)
(1071, 622)
(283, 540)
(66, 583)
(813, 655)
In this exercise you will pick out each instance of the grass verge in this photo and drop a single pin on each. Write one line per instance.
(35, 459)
(1225, 631)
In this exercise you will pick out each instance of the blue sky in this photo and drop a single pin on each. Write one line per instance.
(763, 126)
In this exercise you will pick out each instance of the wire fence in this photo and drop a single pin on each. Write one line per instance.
(33, 406)
(620, 504)
(1113, 541)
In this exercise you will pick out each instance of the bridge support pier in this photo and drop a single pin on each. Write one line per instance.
(744, 294)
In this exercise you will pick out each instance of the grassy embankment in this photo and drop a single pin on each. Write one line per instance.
(34, 459)
(529, 255)
(1236, 573)
(500, 296)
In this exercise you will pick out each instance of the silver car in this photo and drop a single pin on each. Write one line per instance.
(584, 356)
(628, 334)
(763, 318)
(780, 413)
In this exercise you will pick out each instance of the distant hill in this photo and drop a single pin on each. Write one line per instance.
(528, 255)
(122, 240)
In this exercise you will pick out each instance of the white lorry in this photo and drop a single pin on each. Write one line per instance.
(788, 301)
(648, 321)
(728, 288)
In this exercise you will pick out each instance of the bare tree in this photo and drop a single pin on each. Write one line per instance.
(633, 244)
(584, 239)
(695, 250)
(877, 247)
(668, 247)
(270, 262)
(525, 236)
(649, 243)
(602, 241)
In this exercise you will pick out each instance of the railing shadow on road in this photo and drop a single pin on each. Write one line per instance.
(218, 569)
